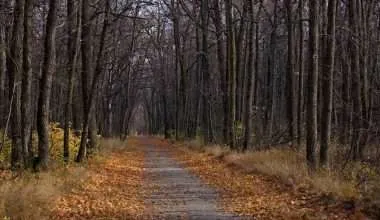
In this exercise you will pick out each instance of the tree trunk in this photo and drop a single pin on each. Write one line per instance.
(300, 75)
(15, 72)
(327, 86)
(206, 124)
(89, 96)
(3, 51)
(231, 73)
(240, 67)
(250, 79)
(271, 74)
(45, 87)
(26, 95)
(221, 67)
(72, 49)
(311, 125)
(86, 45)
(356, 84)
(291, 96)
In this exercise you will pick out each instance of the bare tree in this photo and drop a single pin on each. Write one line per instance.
(88, 93)
(231, 73)
(14, 74)
(45, 87)
(356, 81)
(291, 96)
(250, 78)
(327, 88)
(312, 85)
(73, 28)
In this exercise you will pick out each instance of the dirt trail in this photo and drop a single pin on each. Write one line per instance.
(139, 181)
(150, 178)
(177, 194)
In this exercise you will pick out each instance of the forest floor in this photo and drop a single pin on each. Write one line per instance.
(153, 179)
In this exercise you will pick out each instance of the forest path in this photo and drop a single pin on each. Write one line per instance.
(175, 193)
(151, 178)
(139, 179)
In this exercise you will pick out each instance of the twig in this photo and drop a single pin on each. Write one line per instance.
(8, 118)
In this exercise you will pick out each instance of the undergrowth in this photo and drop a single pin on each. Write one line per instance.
(29, 195)
(56, 145)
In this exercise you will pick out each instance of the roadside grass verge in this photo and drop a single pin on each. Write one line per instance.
(27, 195)
(30, 195)
(349, 186)
(343, 178)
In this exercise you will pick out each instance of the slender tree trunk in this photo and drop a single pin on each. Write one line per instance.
(26, 95)
(356, 84)
(72, 49)
(45, 87)
(3, 51)
(366, 14)
(206, 123)
(231, 73)
(312, 123)
(291, 96)
(93, 128)
(86, 44)
(271, 75)
(250, 79)
(240, 67)
(15, 73)
(177, 42)
(300, 75)
(327, 86)
(197, 81)
(221, 67)
(89, 96)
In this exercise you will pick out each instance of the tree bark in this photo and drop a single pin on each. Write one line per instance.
(73, 27)
(311, 125)
(206, 107)
(327, 86)
(89, 95)
(15, 71)
(291, 96)
(356, 82)
(251, 76)
(231, 73)
(45, 87)
(221, 66)
(300, 75)
(26, 95)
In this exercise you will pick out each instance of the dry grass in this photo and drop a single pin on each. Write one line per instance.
(290, 167)
(342, 181)
(31, 195)
(27, 195)
(245, 191)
